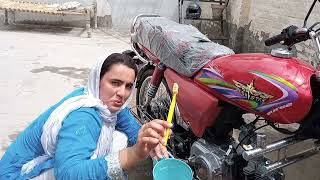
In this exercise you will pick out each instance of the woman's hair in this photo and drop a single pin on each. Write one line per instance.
(117, 58)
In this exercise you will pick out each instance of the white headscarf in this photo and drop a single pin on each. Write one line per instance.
(89, 99)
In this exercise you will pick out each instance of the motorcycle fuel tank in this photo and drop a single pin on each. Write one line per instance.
(277, 89)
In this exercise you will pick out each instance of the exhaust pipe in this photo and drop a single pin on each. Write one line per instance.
(251, 154)
(290, 160)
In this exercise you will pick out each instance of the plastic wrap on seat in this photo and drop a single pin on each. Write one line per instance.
(182, 47)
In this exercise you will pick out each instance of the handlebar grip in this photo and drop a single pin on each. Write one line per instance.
(275, 39)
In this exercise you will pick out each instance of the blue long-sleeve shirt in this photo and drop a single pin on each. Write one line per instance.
(77, 140)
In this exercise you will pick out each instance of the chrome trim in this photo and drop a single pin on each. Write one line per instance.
(290, 160)
(141, 15)
(282, 53)
(247, 155)
(315, 37)
(137, 54)
(133, 35)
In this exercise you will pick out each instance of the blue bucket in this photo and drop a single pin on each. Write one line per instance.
(171, 168)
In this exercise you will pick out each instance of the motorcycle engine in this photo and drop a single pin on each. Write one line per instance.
(210, 161)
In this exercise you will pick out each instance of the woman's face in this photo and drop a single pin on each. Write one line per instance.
(116, 86)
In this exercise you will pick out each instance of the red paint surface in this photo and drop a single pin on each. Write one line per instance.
(237, 67)
(197, 107)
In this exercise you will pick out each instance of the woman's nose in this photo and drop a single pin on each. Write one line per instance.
(121, 91)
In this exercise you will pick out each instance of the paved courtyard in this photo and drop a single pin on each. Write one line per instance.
(38, 66)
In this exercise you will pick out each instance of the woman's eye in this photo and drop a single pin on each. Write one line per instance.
(129, 87)
(115, 83)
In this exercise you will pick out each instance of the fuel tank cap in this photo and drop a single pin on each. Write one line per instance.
(282, 53)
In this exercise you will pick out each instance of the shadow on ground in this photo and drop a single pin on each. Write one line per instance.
(142, 171)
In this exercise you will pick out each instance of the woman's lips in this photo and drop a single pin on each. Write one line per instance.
(117, 103)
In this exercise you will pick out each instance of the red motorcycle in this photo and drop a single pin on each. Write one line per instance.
(217, 87)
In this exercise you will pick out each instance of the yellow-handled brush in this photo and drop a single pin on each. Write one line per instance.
(171, 111)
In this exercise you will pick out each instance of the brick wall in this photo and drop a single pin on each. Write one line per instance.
(252, 21)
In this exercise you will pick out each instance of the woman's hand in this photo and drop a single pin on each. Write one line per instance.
(150, 139)
(149, 142)
(159, 152)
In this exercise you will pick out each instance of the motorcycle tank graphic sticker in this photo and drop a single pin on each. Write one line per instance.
(248, 94)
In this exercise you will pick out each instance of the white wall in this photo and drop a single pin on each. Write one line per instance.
(39, 17)
(123, 11)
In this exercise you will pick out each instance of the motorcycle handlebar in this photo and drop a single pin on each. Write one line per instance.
(289, 36)
(275, 39)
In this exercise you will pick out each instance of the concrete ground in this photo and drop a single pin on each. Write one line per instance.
(38, 66)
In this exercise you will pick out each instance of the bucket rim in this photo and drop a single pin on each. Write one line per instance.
(171, 159)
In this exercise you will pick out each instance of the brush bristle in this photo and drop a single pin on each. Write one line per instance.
(175, 88)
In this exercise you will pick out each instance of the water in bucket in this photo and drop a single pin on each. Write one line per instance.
(170, 168)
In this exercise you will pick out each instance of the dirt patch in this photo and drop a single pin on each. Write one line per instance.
(71, 72)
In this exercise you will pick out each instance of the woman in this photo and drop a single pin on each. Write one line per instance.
(79, 137)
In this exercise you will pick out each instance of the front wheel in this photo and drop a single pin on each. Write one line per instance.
(159, 106)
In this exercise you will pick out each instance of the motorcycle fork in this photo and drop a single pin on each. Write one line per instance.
(154, 84)
(155, 81)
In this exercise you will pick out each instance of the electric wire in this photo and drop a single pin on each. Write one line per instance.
(250, 134)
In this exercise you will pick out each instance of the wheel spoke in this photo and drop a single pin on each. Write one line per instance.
(158, 106)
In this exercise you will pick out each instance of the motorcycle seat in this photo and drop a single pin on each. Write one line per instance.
(179, 46)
